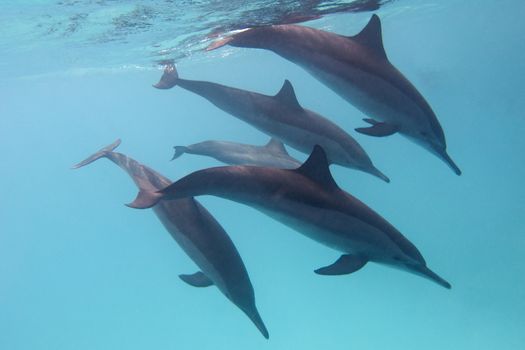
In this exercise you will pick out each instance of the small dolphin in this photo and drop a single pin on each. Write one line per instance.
(273, 154)
(308, 200)
(198, 234)
(358, 70)
(282, 117)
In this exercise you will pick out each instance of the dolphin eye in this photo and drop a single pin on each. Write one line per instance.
(424, 133)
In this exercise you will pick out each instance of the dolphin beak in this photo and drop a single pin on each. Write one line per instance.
(424, 271)
(442, 153)
(258, 322)
(376, 172)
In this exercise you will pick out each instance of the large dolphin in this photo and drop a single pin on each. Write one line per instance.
(273, 154)
(198, 234)
(308, 200)
(282, 117)
(356, 68)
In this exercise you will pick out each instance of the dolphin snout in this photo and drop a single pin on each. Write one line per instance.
(257, 321)
(442, 153)
(376, 172)
(424, 271)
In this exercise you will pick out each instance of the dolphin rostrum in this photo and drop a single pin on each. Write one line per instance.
(273, 154)
(358, 70)
(308, 200)
(198, 234)
(282, 117)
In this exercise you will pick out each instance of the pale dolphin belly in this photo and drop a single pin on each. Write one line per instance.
(169, 220)
(376, 98)
(238, 158)
(334, 229)
(304, 140)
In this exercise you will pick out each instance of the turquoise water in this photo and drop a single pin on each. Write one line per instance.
(79, 270)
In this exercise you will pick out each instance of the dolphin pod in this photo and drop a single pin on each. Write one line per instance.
(358, 70)
(273, 154)
(197, 233)
(309, 201)
(304, 197)
(282, 117)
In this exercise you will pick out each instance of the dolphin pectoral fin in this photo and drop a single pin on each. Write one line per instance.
(378, 129)
(198, 279)
(345, 265)
(371, 121)
(145, 199)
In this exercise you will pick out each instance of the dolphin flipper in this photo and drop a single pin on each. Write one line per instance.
(378, 129)
(198, 279)
(345, 265)
(371, 121)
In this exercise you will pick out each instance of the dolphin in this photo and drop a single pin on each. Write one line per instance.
(198, 234)
(308, 200)
(281, 117)
(358, 70)
(273, 154)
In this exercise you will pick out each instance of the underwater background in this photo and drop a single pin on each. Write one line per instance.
(79, 270)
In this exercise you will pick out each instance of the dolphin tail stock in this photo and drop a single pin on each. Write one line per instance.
(145, 199)
(99, 154)
(169, 78)
(179, 151)
(431, 275)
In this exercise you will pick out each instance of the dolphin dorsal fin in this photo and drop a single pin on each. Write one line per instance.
(287, 95)
(371, 36)
(276, 146)
(316, 167)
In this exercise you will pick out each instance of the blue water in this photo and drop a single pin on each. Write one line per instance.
(79, 270)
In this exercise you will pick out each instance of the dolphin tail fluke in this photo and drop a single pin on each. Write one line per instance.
(376, 172)
(219, 43)
(169, 78)
(99, 154)
(179, 151)
(258, 322)
(145, 199)
(428, 273)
